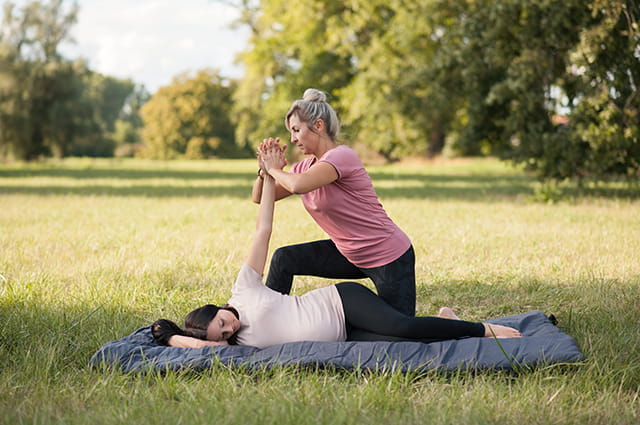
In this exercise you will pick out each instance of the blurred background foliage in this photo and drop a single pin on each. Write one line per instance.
(552, 85)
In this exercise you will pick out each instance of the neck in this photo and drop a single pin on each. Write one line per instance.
(325, 145)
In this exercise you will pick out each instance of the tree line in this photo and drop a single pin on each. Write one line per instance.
(50, 106)
(553, 85)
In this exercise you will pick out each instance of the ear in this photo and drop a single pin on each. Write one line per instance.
(319, 125)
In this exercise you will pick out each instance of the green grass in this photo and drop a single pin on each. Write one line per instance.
(90, 250)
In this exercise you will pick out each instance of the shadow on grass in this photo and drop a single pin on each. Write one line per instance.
(238, 184)
(123, 174)
(198, 183)
(160, 191)
(42, 340)
(628, 192)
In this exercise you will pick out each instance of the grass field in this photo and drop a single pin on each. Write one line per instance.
(92, 250)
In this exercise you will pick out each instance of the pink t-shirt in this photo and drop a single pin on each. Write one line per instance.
(349, 211)
(270, 318)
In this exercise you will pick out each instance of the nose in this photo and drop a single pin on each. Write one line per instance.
(227, 331)
(293, 139)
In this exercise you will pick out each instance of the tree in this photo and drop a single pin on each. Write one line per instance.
(391, 102)
(37, 87)
(488, 77)
(519, 63)
(602, 86)
(109, 109)
(128, 126)
(286, 55)
(49, 105)
(371, 56)
(190, 118)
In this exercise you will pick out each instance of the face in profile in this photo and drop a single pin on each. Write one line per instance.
(302, 135)
(223, 325)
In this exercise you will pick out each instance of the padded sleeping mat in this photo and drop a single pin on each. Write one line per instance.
(542, 344)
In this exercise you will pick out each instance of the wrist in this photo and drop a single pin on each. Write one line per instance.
(271, 170)
(261, 173)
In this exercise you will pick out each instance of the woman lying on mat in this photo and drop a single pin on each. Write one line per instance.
(259, 316)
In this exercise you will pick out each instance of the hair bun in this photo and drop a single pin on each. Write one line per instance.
(314, 95)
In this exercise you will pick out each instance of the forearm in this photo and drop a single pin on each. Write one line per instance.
(190, 342)
(256, 190)
(264, 222)
(320, 174)
(286, 180)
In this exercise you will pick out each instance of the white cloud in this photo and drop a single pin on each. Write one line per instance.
(151, 41)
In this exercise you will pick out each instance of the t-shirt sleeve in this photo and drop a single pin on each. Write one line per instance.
(302, 166)
(344, 160)
(247, 280)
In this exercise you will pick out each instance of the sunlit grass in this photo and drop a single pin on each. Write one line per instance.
(90, 250)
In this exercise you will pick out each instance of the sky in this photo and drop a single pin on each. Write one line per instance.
(151, 41)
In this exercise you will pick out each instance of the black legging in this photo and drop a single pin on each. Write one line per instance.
(368, 317)
(395, 282)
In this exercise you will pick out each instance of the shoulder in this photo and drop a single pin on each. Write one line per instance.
(247, 277)
(302, 166)
(344, 159)
(342, 152)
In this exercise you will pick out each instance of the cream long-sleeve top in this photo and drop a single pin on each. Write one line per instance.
(270, 318)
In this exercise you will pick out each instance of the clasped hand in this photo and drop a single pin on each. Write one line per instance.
(271, 154)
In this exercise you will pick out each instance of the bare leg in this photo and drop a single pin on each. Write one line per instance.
(490, 330)
(499, 331)
(447, 313)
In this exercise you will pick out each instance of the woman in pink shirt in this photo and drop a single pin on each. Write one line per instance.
(337, 192)
(259, 316)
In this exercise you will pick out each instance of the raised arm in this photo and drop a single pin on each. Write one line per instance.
(260, 245)
(256, 191)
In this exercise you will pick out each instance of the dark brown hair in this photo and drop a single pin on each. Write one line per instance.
(197, 321)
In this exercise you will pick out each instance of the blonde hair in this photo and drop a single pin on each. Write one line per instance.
(313, 107)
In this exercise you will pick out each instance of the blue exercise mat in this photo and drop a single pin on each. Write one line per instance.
(542, 344)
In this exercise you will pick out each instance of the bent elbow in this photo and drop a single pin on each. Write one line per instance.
(299, 189)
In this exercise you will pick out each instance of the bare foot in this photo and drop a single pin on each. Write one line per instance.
(499, 331)
(447, 313)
